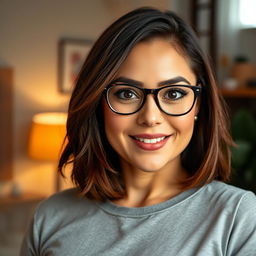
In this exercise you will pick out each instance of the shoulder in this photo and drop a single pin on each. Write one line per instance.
(64, 198)
(56, 216)
(222, 190)
(241, 202)
(236, 209)
(220, 195)
(68, 195)
(64, 203)
(234, 212)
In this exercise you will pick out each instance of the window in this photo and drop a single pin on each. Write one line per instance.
(247, 13)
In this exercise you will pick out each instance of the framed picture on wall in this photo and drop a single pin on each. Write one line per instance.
(71, 56)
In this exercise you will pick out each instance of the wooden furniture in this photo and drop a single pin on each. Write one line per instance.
(241, 98)
(240, 93)
(6, 123)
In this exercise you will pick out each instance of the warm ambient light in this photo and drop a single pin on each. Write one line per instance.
(47, 136)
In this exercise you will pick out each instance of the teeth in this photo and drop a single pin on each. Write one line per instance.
(150, 140)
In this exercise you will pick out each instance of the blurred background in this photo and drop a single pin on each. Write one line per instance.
(42, 45)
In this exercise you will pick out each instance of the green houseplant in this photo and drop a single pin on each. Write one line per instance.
(243, 128)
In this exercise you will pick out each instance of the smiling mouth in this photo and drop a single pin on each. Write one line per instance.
(150, 138)
(150, 141)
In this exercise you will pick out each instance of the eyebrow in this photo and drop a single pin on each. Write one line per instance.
(170, 81)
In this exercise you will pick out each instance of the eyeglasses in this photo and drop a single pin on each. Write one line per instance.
(174, 100)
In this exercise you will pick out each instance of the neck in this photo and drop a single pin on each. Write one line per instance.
(149, 188)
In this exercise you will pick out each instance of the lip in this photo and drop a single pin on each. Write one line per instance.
(150, 136)
(150, 146)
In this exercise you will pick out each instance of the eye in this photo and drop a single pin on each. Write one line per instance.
(174, 94)
(126, 94)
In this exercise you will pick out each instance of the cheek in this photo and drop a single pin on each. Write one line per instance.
(184, 125)
(114, 124)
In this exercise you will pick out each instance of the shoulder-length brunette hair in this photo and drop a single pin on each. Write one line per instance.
(96, 170)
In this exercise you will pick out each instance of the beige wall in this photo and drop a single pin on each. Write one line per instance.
(29, 32)
(29, 36)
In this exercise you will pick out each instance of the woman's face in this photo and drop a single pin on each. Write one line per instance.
(151, 140)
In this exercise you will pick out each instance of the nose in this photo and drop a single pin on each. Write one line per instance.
(150, 114)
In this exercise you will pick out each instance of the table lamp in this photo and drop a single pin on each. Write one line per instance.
(46, 138)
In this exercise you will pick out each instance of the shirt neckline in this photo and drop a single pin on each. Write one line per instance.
(134, 212)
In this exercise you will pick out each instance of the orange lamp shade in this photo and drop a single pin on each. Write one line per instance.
(47, 135)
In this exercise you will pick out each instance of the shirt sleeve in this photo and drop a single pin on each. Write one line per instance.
(243, 235)
(30, 243)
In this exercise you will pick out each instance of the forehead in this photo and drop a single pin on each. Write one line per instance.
(156, 60)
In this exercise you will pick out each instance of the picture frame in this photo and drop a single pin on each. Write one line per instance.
(71, 56)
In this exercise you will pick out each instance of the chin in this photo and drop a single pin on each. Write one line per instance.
(150, 165)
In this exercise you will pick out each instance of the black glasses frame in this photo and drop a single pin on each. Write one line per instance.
(195, 88)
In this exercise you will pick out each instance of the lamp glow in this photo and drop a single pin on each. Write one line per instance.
(47, 136)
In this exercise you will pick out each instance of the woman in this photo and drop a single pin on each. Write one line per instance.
(149, 144)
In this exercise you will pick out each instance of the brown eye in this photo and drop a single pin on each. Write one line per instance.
(126, 94)
(174, 94)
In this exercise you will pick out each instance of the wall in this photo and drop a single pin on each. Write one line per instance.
(29, 36)
(182, 8)
(247, 43)
(29, 32)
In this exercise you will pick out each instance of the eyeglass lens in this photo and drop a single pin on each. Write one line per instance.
(175, 100)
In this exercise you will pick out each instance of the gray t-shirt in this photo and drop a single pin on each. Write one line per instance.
(214, 220)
